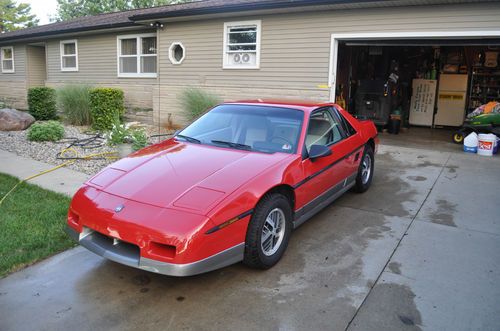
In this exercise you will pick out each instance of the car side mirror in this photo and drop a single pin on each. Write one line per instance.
(318, 151)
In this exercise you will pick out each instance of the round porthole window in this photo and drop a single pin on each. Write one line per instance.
(176, 53)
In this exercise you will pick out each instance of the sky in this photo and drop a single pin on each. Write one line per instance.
(43, 9)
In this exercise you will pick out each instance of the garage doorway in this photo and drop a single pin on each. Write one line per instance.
(430, 79)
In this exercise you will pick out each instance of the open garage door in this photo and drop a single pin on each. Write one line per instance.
(428, 79)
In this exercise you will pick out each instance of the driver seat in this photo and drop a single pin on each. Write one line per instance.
(319, 132)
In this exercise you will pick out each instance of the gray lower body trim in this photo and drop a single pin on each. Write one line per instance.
(129, 254)
(320, 202)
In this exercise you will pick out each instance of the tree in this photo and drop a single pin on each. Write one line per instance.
(68, 9)
(15, 16)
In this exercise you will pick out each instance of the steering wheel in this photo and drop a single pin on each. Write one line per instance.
(282, 139)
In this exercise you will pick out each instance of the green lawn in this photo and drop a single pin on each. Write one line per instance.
(32, 222)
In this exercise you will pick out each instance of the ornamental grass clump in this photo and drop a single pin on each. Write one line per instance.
(74, 102)
(196, 102)
(46, 131)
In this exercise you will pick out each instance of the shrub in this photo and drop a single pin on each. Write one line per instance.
(139, 139)
(42, 103)
(105, 105)
(123, 134)
(3, 103)
(74, 102)
(46, 131)
(195, 102)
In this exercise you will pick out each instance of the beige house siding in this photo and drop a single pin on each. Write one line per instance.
(295, 49)
(97, 66)
(36, 68)
(13, 85)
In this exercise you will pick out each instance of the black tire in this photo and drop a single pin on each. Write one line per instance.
(362, 182)
(255, 255)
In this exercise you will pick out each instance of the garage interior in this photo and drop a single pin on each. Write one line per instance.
(420, 85)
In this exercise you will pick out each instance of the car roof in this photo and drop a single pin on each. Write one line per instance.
(304, 105)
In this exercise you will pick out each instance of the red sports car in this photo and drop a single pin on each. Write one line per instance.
(230, 187)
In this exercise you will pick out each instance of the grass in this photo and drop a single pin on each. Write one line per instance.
(32, 222)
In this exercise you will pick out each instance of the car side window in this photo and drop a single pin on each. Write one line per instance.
(346, 126)
(324, 129)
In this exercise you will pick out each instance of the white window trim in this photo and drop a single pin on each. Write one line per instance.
(171, 56)
(138, 56)
(227, 25)
(8, 71)
(62, 55)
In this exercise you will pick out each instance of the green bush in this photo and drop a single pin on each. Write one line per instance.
(74, 102)
(122, 134)
(46, 131)
(42, 103)
(195, 102)
(139, 139)
(105, 105)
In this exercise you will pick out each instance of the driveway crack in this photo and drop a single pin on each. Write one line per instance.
(398, 244)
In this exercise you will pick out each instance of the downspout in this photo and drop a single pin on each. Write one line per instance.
(159, 28)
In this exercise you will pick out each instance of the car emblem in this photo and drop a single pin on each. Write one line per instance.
(119, 208)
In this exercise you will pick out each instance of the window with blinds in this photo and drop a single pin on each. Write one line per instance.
(69, 55)
(137, 55)
(7, 59)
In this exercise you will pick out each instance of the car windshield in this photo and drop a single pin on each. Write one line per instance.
(248, 127)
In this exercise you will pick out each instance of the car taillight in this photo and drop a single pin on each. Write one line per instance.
(73, 218)
(161, 250)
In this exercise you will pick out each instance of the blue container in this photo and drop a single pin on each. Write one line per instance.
(469, 149)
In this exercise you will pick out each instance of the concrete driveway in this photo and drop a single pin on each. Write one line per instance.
(419, 250)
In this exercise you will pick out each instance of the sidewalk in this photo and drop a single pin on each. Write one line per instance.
(62, 180)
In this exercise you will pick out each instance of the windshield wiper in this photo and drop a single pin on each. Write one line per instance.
(233, 145)
(190, 139)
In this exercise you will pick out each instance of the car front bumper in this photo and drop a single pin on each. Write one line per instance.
(128, 254)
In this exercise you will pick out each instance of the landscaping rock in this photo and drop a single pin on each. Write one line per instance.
(14, 120)
(47, 151)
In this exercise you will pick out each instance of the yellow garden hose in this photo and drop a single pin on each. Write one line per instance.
(107, 155)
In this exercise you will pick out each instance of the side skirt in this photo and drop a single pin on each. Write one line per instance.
(316, 205)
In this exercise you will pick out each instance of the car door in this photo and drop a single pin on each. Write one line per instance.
(322, 177)
(352, 146)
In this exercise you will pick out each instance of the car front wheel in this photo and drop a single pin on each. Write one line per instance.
(268, 232)
(365, 171)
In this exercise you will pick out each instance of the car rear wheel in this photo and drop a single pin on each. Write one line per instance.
(365, 171)
(268, 232)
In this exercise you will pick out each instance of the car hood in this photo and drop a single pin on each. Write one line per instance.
(183, 175)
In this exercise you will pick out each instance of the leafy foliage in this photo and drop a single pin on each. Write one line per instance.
(68, 9)
(4, 103)
(46, 131)
(119, 133)
(42, 103)
(15, 16)
(74, 102)
(195, 102)
(139, 139)
(106, 104)
(123, 134)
